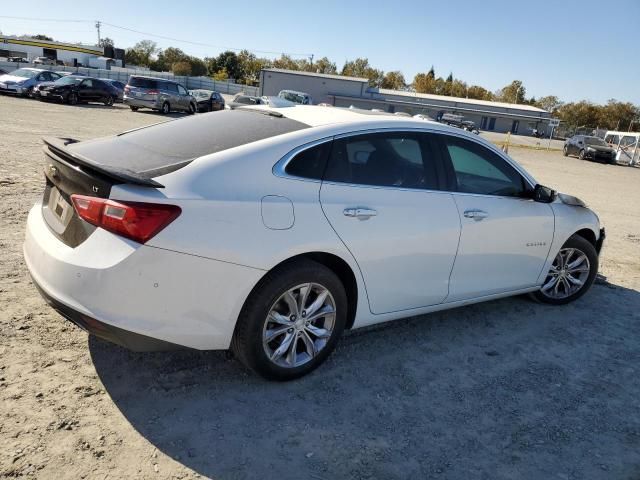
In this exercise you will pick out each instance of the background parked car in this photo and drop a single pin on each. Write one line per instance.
(2, 72)
(208, 100)
(44, 61)
(158, 94)
(586, 146)
(22, 80)
(117, 85)
(301, 98)
(241, 100)
(18, 59)
(74, 89)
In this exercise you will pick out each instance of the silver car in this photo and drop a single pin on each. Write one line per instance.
(158, 94)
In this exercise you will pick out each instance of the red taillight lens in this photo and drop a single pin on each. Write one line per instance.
(135, 220)
(127, 89)
(153, 92)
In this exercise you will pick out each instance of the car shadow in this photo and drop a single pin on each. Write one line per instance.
(453, 392)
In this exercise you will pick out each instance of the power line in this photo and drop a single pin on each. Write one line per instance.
(173, 39)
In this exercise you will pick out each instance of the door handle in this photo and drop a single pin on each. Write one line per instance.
(361, 213)
(477, 215)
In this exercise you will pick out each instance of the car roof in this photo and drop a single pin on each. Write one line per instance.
(153, 78)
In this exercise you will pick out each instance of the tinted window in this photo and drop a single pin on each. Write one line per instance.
(143, 82)
(182, 90)
(87, 84)
(393, 159)
(170, 87)
(479, 170)
(310, 163)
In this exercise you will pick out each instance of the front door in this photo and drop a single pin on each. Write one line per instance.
(380, 195)
(86, 90)
(505, 236)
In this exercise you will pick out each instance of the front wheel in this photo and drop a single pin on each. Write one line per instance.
(565, 151)
(291, 322)
(72, 99)
(166, 108)
(133, 109)
(582, 154)
(571, 274)
(29, 92)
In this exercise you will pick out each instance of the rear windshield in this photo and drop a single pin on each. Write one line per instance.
(143, 82)
(166, 147)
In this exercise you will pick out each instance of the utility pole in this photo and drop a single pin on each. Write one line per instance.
(98, 28)
(311, 60)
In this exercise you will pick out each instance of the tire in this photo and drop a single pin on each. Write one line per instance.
(249, 342)
(133, 109)
(192, 109)
(108, 101)
(565, 151)
(166, 108)
(29, 93)
(581, 155)
(72, 99)
(580, 246)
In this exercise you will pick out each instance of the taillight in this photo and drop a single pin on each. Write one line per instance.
(135, 220)
(153, 92)
(127, 89)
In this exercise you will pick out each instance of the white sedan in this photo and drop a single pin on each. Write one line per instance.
(271, 230)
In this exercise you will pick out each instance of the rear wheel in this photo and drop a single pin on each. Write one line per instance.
(571, 274)
(166, 108)
(72, 99)
(192, 109)
(108, 101)
(292, 321)
(133, 109)
(565, 151)
(581, 155)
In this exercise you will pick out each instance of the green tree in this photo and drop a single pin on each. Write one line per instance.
(360, 68)
(617, 115)
(286, 63)
(221, 75)
(579, 114)
(424, 82)
(550, 103)
(324, 65)
(393, 80)
(105, 42)
(41, 37)
(166, 59)
(431, 73)
(512, 93)
(142, 53)
(479, 93)
(182, 68)
(198, 67)
(230, 62)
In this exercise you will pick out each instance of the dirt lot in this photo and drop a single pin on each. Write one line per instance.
(506, 389)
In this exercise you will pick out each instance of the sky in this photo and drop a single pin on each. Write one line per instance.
(576, 50)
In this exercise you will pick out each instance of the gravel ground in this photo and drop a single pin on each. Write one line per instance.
(502, 390)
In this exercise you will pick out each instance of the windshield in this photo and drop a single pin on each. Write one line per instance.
(594, 141)
(293, 97)
(68, 80)
(24, 72)
(201, 94)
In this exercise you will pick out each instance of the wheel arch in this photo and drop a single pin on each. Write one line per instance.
(588, 235)
(338, 266)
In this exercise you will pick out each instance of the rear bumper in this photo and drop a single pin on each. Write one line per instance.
(138, 296)
(137, 102)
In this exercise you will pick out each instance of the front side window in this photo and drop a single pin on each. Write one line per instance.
(182, 90)
(476, 169)
(393, 159)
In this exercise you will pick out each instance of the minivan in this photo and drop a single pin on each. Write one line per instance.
(158, 94)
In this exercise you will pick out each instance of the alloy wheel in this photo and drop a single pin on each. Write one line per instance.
(299, 325)
(568, 274)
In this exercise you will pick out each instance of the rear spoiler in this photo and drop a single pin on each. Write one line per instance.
(58, 146)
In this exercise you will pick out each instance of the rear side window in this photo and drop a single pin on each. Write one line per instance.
(310, 163)
(394, 159)
(143, 82)
(479, 170)
(169, 87)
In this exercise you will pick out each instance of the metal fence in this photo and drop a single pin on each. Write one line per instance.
(123, 74)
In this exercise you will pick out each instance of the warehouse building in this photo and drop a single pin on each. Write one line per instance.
(71, 54)
(347, 91)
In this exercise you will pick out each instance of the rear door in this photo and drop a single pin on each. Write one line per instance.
(184, 96)
(86, 90)
(506, 236)
(380, 194)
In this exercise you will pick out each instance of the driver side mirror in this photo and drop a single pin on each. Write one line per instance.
(543, 194)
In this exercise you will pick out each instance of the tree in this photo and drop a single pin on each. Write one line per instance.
(618, 115)
(424, 83)
(579, 114)
(251, 65)
(198, 67)
(324, 65)
(512, 93)
(393, 80)
(360, 68)
(182, 68)
(479, 93)
(167, 58)
(230, 62)
(285, 62)
(431, 73)
(550, 103)
(41, 37)
(142, 53)
(105, 42)
(221, 75)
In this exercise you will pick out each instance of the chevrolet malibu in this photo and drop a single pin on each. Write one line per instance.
(270, 231)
